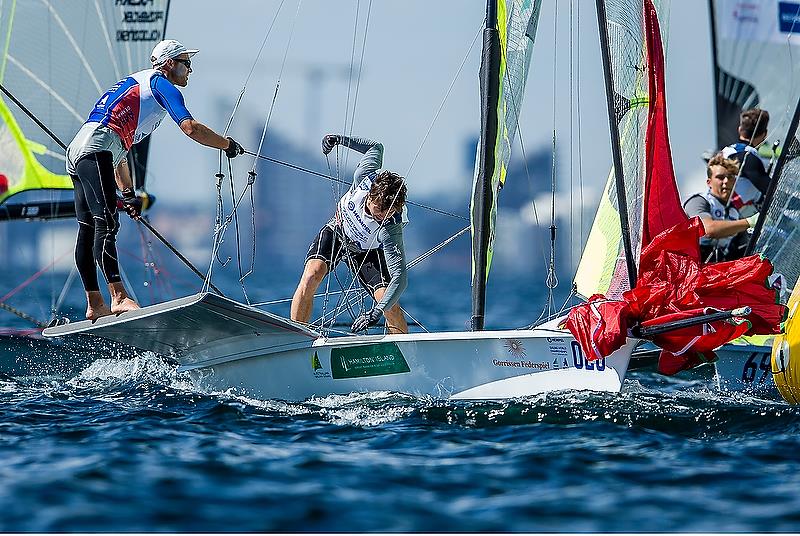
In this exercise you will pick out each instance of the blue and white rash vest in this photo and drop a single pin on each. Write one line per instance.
(125, 114)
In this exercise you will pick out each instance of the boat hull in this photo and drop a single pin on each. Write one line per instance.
(485, 365)
(226, 345)
(745, 365)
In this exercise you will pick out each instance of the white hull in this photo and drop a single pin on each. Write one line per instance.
(443, 365)
(227, 345)
(746, 367)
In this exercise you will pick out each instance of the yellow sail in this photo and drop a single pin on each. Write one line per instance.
(517, 21)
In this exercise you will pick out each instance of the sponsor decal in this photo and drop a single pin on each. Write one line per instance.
(368, 360)
(580, 362)
(316, 365)
(351, 205)
(557, 347)
(789, 17)
(515, 348)
(745, 12)
(542, 365)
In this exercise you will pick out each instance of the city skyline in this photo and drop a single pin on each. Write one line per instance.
(402, 82)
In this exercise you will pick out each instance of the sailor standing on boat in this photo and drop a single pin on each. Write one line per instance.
(125, 114)
(366, 230)
(726, 230)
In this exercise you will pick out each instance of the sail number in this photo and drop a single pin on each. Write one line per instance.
(581, 363)
(753, 365)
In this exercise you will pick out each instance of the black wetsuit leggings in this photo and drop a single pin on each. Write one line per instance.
(98, 220)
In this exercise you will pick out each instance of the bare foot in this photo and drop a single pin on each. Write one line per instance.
(127, 304)
(93, 313)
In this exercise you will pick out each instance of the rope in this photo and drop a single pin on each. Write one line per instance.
(414, 320)
(252, 69)
(24, 316)
(444, 99)
(64, 291)
(222, 223)
(278, 82)
(412, 264)
(552, 280)
(342, 181)
(32, 278)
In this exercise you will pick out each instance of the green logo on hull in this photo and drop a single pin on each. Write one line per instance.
(315, 364)
(368, 360)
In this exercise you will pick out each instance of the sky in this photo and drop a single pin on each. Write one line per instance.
(414, 50)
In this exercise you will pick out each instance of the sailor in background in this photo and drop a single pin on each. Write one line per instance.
(96, 160)
(753, 180)
(726, 230)
(367, 231)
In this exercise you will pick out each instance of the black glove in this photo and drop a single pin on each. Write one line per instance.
(131, 203)
(234, 149)
(329, 142)
(365, 320)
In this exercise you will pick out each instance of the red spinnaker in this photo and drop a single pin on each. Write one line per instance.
(662, 202)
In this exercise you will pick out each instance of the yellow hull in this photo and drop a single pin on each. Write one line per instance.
(786, 353)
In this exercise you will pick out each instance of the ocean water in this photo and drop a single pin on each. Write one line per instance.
(128, 444)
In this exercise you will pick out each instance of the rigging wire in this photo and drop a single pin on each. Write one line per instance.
(552, 280)
(342, 181)
(422, 257)
(571, 232)
(580, 128)
(351, 114)
(518, 110)
(447, 93)
(220, 224)
(348, 131)
(278, 82)
(252, 69)
(444, 99)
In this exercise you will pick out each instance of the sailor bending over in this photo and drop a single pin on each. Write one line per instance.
(366, 231)
(726, 230)
(753, 180)
(96, 161)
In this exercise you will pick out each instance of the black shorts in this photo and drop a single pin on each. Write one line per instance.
(370, 266)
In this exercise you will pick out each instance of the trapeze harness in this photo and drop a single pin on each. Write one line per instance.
(125, 114)
(351, 216)
(721, 249)
(746, 196)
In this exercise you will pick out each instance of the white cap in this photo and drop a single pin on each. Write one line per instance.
(168, 49)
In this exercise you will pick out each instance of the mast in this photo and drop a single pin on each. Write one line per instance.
(791, 146)
(482, 200)
(720, 103)
(616, 150)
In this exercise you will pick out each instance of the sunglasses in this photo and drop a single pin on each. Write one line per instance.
(187, 63)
